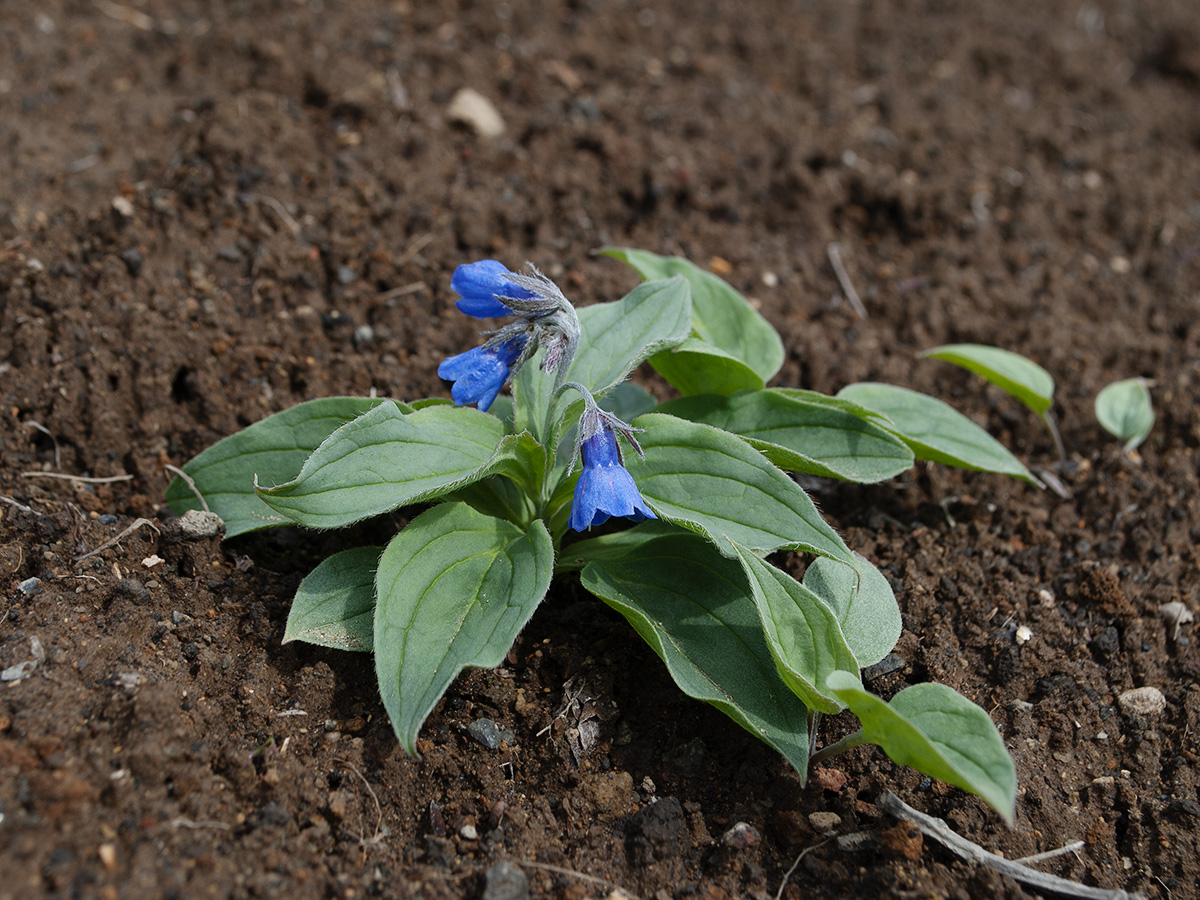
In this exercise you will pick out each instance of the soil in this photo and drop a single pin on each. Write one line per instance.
(213, 211)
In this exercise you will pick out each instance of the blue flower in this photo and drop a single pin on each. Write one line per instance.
(605, 488)
(479, 374)
(481, 284)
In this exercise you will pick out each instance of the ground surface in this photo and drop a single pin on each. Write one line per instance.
(205, 206)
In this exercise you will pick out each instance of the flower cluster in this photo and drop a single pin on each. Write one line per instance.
(544, 319)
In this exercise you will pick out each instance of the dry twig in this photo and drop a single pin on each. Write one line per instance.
(788, 873)
(187, 479)
(82, 479)
(835, 260)
(971, 852)
(137, 523)
(571, 873)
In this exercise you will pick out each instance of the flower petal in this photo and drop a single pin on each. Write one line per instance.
(480, 283)
(605, 487)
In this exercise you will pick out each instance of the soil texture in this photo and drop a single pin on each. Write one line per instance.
(213, 211)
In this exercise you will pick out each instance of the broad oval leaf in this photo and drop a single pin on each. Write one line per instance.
(273, 451)
(453, 589)
(385, 459)
(938, 731)
(335, 603)
(714, 483)
(1011, 372)
(862, 601)
(692, 606)
(616, 337)
(721, 318)
(1124, 410)
(695, 367)
(800, 435)
(935, 431)
(802, 632)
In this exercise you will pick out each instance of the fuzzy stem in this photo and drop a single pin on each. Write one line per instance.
(849, 742)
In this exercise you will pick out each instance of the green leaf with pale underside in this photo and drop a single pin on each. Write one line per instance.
(1124, 410)
(273, 451)
(935, 431)
(335, 603)
(714, 483)
(453, 590)
(386, 459)
(936, 730)
(802, 632)
(863, 603)
(801, 436)
(1011, 372)
(693, 607)
(733, 349)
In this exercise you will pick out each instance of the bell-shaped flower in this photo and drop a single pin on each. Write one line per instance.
(484, 285)
(480, 373)
(605, 487)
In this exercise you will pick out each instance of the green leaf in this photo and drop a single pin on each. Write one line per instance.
(273, 451)
(863, 603)
(695, 367)
(335, 604)
(616, 337)
(936, 730)
(1124, 410)
(616, 544)
(935, 431)
(692, 606)
(385, 459)
(801, 436)
(1011, 372)
(454, 589)
(497, 496)
(839, 403)
(714, 483)
(722, 320)
(802, 632)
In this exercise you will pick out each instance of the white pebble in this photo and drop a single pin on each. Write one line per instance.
(468, 833)
(1024, 634)
(469, 107)
(824, 822)
(1143, 701)
(1176, 615)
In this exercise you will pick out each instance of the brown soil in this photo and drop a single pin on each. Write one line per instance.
(214, 211)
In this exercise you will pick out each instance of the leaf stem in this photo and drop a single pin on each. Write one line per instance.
(849, 742)
(1048, 418)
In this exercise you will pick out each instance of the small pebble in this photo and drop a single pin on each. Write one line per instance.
(1143, 701)
(824, 822)
(741, 836)
(1176, 615)
(468, 833)
(196, 525)
(1024, 635)
(469, 107)
(29, 586)
(505, 881)
(485, 732)
(108, 856)
(133, 260)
